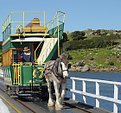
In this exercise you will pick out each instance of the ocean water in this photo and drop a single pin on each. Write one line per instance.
(105, 90)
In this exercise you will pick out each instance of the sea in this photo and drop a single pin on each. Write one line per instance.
(105, 90)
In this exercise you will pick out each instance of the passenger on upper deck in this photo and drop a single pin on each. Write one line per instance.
(26, 55)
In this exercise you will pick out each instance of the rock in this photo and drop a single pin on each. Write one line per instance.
(80, 63)
(73, 69)
(85, 68)
(80, 68)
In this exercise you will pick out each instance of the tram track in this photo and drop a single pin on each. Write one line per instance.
(26, 106)
(33, 111)
(8, 102)
(13, 106)
(73, 106)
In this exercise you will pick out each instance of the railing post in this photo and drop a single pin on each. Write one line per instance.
(44, 19)
(23, 15)
(115, 99)
(97, 93)
(73, 88)
(115, 107)
(84, 90)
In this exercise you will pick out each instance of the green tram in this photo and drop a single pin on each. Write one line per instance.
(21, 29)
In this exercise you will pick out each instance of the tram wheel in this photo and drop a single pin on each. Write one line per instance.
(9, 90)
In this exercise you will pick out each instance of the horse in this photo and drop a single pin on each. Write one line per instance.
(56, 72)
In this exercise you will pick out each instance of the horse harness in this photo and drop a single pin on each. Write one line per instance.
(54, 68)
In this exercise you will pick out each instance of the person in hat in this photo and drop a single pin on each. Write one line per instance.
(26, 55)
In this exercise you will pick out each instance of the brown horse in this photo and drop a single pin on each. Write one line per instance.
(56, 72)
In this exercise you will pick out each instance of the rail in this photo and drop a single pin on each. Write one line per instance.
(19, 20)
(16, 70)
(54, 27)
(115, 99)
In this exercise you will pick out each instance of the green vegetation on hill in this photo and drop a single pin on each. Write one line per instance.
(97, 48)
(97, 58)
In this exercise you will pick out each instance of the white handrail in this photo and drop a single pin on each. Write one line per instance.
(97, 95)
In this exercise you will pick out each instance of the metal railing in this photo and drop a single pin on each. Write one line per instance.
(16, 71)
(23, 18)
(115, 99)
(58, 19)
(19, 20)
(54, 25)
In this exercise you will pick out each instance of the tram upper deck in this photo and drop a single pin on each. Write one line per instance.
(30, 29)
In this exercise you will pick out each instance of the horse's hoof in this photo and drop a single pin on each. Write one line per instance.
(50, 104)
(58, 106)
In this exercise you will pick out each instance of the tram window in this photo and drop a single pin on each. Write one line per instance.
(17, 56)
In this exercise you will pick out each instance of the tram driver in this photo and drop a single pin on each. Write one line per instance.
(26, 55)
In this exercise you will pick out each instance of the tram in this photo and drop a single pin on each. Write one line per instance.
(29, 29)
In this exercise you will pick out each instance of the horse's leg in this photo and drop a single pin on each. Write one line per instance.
(50, 100)
(63, 88)
(56, 87)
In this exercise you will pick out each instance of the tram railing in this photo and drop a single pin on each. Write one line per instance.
(20, 20)
(115, 99)
(16, 71)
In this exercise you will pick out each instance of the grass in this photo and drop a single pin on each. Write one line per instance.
(98, 58)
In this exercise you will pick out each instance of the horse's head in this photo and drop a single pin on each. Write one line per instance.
(64, 58)
(65, 65)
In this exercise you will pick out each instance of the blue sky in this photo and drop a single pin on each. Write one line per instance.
(80, 14)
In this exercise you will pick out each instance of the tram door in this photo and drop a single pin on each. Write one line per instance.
(37, 47)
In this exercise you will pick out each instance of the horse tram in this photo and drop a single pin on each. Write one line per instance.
(29, 30)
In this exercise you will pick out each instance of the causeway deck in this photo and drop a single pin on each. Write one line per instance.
(70, 106)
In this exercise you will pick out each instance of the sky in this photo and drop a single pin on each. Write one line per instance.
(80, 14)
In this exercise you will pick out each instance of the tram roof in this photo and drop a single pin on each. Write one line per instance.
(32, 39)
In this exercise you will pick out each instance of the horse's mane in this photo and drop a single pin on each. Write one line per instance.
(55, 67)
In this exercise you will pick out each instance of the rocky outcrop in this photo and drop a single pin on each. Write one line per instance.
(79, 66)
(87, 68)
(113, 69)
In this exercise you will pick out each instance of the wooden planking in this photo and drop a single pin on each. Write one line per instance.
(7, 57)
(35, 29)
